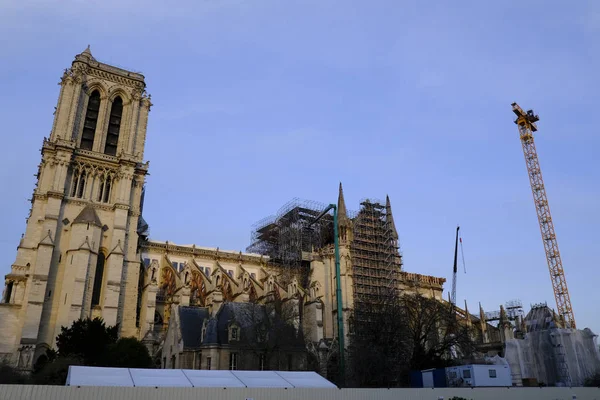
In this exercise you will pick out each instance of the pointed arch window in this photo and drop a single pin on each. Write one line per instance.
(114, 126)
(98, 279)
(104, 189)
(91, 119)
(78, 183)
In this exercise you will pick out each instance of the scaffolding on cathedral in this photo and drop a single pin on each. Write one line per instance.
(376, 259)
(289, 236)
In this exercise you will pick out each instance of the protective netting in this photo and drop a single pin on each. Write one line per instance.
(554, 357)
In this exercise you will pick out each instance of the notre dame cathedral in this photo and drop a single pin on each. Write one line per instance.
(85, 251)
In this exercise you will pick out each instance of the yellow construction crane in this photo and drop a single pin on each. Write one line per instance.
(526, 123)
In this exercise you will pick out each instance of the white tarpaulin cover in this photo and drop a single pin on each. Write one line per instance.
(158, 377)
(204, 378)
(305, 379)
(100, 376)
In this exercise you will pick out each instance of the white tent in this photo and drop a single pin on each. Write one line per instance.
(101, 376)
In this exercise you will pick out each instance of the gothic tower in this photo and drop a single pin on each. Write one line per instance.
(78, 257)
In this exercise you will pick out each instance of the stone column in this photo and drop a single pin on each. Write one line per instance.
(74, 106)
(41, 311)
(133, 126)
(140, 136)
(148, 309)
(115, 279)
(65, 106)
(185, 296)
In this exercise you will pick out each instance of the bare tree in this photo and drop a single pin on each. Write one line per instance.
(378, 347)
(274, 335)
(397, 334)
(435, 337)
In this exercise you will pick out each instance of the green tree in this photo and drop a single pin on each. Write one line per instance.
(11, 376)
(87, 339)
(89, 342)
(55, 372)
(127, 353)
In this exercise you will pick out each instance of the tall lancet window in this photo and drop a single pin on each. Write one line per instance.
(91, 119)
(98, 279)
(114, 125)
(78, 183)
(104, 189)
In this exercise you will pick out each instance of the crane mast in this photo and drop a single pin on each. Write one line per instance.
(526, 124)
(453, 296)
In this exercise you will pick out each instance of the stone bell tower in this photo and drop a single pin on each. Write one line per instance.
(77, 257)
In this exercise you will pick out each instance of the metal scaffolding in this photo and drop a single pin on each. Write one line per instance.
(288, 240)
(376, 259)
(287, 237)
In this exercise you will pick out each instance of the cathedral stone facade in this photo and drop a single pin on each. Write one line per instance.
(85, 252)
(78, 256)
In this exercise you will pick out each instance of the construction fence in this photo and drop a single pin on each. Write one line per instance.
(31, 392)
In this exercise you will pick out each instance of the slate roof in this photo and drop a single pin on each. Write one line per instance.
(191, 320)
(246, 315)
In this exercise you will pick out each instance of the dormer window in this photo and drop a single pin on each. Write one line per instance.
(234, 332)
(204, 326)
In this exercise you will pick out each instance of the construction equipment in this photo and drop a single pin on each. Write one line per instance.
(526, 124)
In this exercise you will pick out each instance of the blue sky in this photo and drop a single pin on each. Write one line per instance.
(260, 101)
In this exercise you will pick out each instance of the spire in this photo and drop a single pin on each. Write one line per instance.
(341, 206)
(86, 54)
(503, 317)
(344, 224)
(483, 325)
(389, 218)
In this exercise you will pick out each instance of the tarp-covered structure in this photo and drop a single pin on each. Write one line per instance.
(551, 355)
(132, 377)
